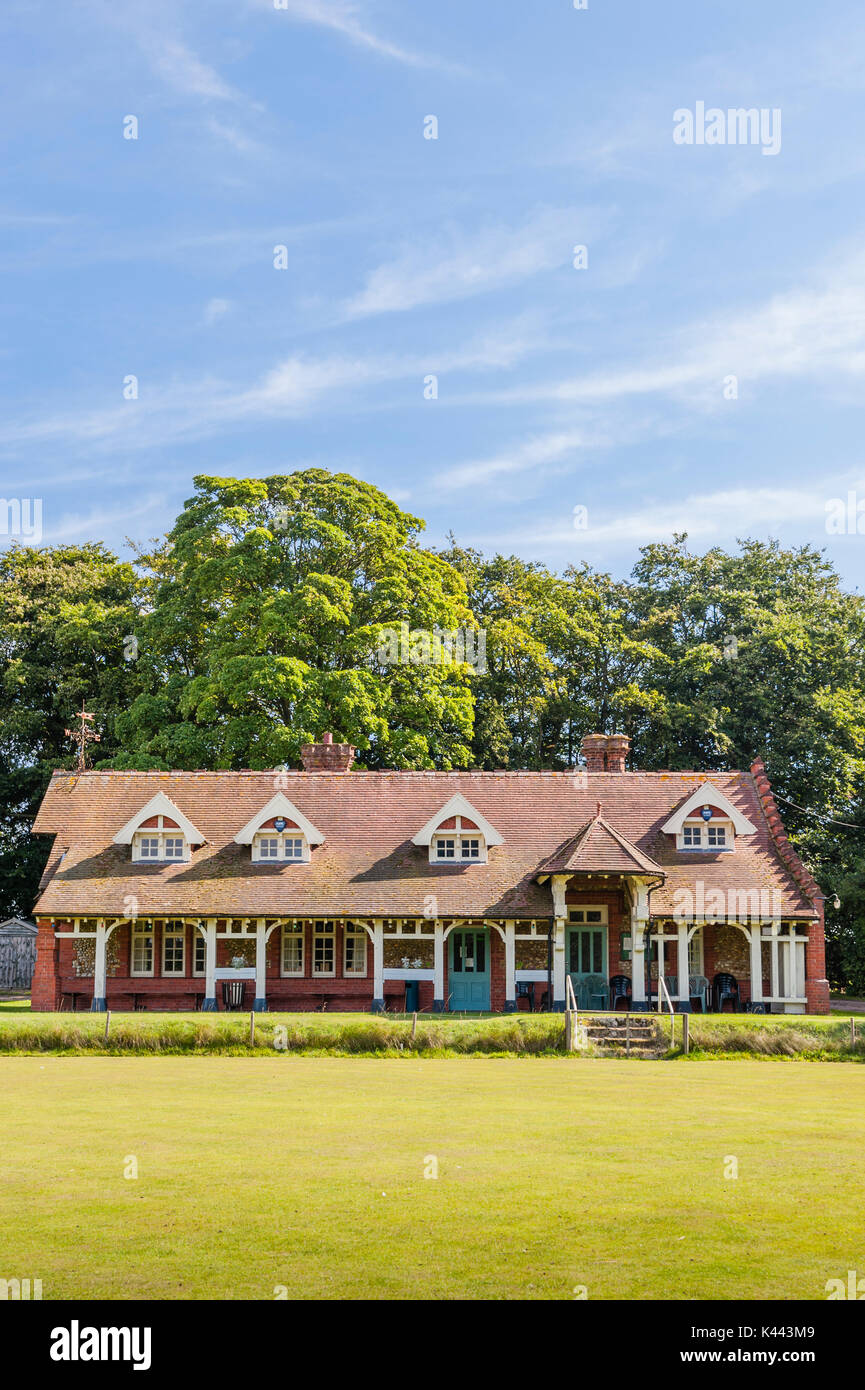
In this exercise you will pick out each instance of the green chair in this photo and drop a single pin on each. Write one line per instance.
(595, 991)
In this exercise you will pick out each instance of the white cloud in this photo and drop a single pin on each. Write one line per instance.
(531, 455)
(345, 18)
(496, 256)
(216, 309)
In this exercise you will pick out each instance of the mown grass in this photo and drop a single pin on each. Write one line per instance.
(363, 1034)
(232, 1178)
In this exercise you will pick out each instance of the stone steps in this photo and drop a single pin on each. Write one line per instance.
(626, 1034)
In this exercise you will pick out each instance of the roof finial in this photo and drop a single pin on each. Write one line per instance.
(598, 812)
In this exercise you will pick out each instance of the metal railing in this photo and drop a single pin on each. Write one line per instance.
(662, 986)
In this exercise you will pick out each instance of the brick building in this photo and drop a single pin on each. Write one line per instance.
(332, 888)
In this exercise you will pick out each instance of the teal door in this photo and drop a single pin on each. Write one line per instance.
(587, 965)
(469, 974)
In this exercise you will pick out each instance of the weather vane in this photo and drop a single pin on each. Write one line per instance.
(83, 736)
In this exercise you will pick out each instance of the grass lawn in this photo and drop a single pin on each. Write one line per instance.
(309, 1173)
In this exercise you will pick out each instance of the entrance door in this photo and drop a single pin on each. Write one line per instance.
(587, 958)
(469, 976)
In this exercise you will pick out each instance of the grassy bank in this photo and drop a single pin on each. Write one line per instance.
(435, 1035)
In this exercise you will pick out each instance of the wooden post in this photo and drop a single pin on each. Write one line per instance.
(413, 1025)
(686, 1032)
(852, 1031)
(627, 1035)
(108, 1022)
(252, 1029)
(569, 1030)
(672, 1030)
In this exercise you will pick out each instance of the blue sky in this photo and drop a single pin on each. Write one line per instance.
(601, 387)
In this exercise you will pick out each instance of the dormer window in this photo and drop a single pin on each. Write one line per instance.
(160, 833)
(279, 834)
(273, 846)
(706, 835)
(465, 848)
(708, 822)
(458, 834)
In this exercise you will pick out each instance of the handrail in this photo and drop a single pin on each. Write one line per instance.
(570, 997)
(662, 985)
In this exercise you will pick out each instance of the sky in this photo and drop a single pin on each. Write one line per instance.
(557, 329)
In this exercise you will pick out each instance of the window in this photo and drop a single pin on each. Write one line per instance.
(587, 914)
(292, 948)
(273, 848)
(199, 953)
(324, 948)
(354, 952)
(142, 948)
(695, 953)
(706, 835)
(448, 849)
(174, 948)
(158, 847)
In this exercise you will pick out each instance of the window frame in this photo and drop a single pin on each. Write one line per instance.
(697, 823)
(460, 836)
(160, 835)
(354, 934)
(198, 936)
(324, 929)
(296, 932)
(146, 929)
(173, 934)
(281, 836)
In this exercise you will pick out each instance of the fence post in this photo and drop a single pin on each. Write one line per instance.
(852, 1031)
(627, 1035)
(686, 1033)
(108, 1022)
(569, 1030)
(413, 1025)
(252, 1029)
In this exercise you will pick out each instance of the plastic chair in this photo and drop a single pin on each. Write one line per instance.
(725, 987)
(672, 983)
(593, 992)
(698, 988)
(620, 989)
(232, 994)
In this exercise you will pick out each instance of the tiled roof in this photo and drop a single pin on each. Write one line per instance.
(367, 865)
(598, 848)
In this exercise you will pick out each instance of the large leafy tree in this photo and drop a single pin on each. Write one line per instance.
(276, 612)
(64, 614)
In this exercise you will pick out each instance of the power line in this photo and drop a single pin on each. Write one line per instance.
(827, 820)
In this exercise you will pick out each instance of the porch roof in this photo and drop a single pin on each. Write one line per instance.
(599, 848)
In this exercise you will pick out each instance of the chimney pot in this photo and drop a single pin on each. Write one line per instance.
(327, 756)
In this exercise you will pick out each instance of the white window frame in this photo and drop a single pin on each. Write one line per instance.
(355, 934)
(282, 836)
(174, 933)
(697, 823)
(324, 930)
(196, 937)
(295, 932)
(696, 947)
(160, 833)
(577, 915)
(458, 835)
(146, 931)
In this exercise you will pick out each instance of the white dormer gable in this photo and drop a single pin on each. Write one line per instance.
(159, 805)
(278, 805)
(708, 795)
(464, 841)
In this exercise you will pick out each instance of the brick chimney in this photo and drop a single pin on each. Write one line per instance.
(594, 750)
(605, 752)
(617, 752)
(327, 756)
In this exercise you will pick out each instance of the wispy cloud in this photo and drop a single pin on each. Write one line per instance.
(216, 309)
(496, 256)
(347, 19)
(528, 456)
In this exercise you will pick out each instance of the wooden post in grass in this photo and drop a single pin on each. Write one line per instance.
(686, 1033)
(852, 1031)
(252, 1029)
(569, 1030)
(413, 1025)
(108, 1022)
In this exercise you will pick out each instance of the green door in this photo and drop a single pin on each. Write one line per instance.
(587, 965)
(469, 975)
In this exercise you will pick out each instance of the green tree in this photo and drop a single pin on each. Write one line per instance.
(272, 606)
(64, 614)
